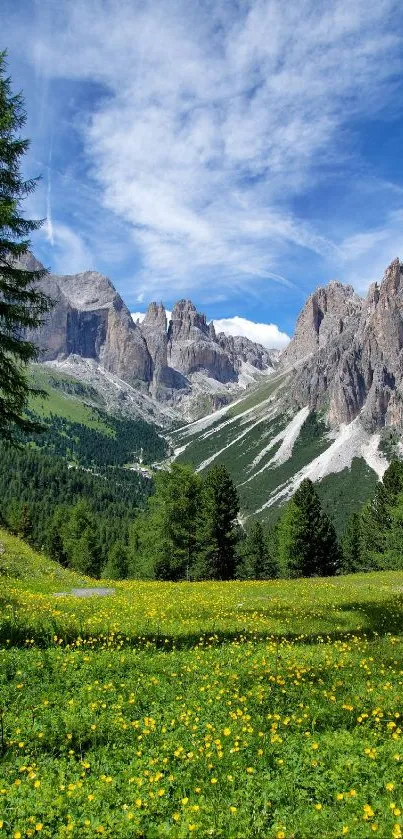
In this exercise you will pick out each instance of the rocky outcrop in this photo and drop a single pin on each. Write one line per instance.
(165, 380)
(243, 351)
(89, 319)
(326, 314)
(193, 346)
(359, 367)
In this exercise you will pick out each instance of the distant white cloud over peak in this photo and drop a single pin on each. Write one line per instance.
(267, 334)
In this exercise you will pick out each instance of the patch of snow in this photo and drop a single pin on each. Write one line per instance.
(249, 375)
(290, 435)
(194, 428)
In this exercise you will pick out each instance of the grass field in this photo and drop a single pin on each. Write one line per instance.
(62, 403)
(249, 710)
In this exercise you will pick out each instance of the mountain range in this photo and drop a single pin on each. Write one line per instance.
(329, 407)
(182, 364)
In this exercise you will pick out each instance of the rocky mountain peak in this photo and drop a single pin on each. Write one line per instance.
(154, 331)
(187, 323)
(193, 345)
(324, 316)
(355, 366)
(90, 321)
(155, 317)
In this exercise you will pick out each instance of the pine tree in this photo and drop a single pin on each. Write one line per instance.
(351, 546)
(377, 519)
(306, 537)
(273, 568)
(167, 533)
(116, 566)
(218, 525)
(81, 541)
(256, 561)
(22, 304)
(54, 543)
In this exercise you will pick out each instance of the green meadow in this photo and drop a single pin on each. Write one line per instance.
(236, 710)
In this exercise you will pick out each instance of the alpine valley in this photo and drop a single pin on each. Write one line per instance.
(329, 407)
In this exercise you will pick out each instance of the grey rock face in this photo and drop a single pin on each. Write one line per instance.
(359, 368)
(193, 347)
(90, 319)
(324, 317)
(241, 349)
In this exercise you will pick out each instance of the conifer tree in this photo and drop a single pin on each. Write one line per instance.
(351, 546)
(167, 535)
(80, 540)
(256, 560)
(377, 520)
(306, 537)
(116, 566)
(218, 525)
(22, 304)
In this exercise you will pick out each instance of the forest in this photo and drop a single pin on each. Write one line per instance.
(105, 520)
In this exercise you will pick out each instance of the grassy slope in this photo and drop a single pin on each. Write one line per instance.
(231, 710)
(342, 493)
(25, 568)
(61, 403)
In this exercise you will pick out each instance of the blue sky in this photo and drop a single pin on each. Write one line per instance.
(238, 152)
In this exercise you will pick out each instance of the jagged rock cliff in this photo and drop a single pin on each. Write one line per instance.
(193, 346)
(243, 351)
(347, 352)
(326, 314)
(90, 319)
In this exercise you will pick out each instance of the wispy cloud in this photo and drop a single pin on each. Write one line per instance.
(211, 120)
(49, 223)
(368, 254)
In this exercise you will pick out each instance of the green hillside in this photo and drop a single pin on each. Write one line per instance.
(268, 447)
(84, 455)
(66, 397)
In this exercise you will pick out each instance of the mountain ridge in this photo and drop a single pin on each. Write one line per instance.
(182, 365)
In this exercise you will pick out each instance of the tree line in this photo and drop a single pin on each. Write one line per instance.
(190, 529)
(182, 525)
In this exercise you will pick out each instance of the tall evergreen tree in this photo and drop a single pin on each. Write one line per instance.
(256, 560)
(351, 546)
(54, 537)
(81, 540)
(167, 533)
(218, 525)
(377, 520)
(22, 303)
(116, 567)
(306, 537)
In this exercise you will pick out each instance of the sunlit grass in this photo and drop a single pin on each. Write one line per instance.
(208, 709)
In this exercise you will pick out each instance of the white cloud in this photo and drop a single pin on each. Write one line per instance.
(267, 334)
(216, 117)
